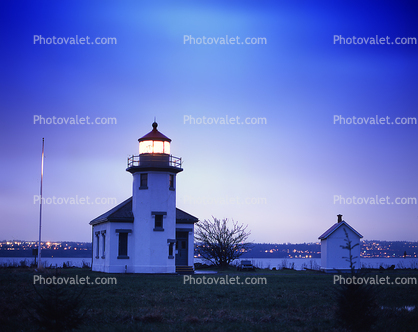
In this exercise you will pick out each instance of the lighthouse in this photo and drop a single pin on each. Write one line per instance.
(147, 233)
(154, 173)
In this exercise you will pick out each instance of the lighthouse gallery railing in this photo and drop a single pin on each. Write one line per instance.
(172, 161)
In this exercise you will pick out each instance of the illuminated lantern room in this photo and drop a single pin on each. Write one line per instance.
(154, 142)
(154, 151)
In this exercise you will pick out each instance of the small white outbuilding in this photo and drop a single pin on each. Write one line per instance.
(334, 254)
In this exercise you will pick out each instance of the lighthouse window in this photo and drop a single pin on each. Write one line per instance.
(159, 222)
(170, 250)
(167, 147)
(158, 147)
(171, 181)
(171, 243)
(144, 181)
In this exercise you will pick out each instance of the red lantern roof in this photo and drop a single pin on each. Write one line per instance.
(154, 135)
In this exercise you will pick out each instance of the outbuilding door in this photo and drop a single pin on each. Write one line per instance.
(182, 246)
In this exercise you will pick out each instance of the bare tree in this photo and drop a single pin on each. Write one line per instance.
(349, 247)
(219, 243)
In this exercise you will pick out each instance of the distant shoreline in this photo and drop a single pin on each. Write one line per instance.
(369, 249)
(45, 253)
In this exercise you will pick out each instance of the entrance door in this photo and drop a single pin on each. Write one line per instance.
(182, 244)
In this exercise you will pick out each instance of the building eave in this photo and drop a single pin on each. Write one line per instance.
(103, 221)
(336, 226)
(123, 213)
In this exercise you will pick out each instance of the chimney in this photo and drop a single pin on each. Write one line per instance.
(340, 217)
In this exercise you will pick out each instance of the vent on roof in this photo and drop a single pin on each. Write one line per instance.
(340, 217)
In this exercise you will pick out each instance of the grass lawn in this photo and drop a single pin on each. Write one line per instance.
(290, 301)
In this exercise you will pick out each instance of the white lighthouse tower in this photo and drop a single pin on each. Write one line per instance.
(154, 173)
(146, 233)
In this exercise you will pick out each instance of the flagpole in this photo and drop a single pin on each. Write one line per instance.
(40, 208)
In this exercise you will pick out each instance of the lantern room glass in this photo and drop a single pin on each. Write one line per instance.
(154, 147)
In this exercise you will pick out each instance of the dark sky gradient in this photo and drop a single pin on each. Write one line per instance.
(294, 164)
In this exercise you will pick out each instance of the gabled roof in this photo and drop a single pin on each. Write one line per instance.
(120, 213)
(337, 225)
(154, 135)
(184, 217)
(123, 213)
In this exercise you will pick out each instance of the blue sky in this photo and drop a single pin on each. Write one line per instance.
(280, 178)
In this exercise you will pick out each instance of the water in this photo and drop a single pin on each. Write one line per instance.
(263, 263)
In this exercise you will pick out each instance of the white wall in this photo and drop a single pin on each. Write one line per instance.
(148, 250)
(324, 253)
(151, 251)
(110, 263)
(117, 265)
(333, 253)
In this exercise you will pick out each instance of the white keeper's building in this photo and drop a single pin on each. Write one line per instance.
(333, 256)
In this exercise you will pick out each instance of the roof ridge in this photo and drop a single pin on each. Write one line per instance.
(334, 227)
